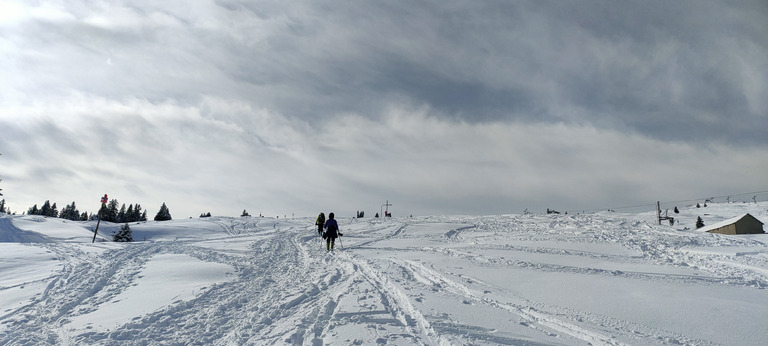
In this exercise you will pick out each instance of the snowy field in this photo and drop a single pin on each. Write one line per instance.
(600, 279)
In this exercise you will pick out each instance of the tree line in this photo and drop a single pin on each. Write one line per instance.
(69, 212)
(110, 212)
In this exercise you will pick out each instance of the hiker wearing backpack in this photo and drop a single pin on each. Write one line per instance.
(320, 222)
(331, 232)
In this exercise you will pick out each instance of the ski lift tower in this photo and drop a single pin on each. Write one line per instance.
(665, 217)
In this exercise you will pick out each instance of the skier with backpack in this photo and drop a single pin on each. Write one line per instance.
(331, 232)
(320, 223)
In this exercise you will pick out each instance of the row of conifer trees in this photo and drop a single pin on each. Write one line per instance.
(111, 212)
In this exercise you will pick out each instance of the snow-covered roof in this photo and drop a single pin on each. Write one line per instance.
(725, 223)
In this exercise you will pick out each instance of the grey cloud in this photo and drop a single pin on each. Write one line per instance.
(626, 65)
(657, 68)
(13, 138)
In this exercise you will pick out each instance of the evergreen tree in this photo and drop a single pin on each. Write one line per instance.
(46, 209)
(677, 211)
(121, 215)
(110, 214)
(143, 216)
(2, 206)
(54, 211)
(70, 212)
(124, 234)
(73, 213)
(129, 214)
(137, 214)
(164, 214)
(245, 213)
(699, 223)
(33, 210)
(84, 216)
(64, 212)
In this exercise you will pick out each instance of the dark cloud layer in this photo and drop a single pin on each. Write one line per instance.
(674, 71)
(677, 71)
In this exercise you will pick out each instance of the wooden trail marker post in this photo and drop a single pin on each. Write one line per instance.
(101, 210)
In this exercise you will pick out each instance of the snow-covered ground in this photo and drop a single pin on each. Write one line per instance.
(602, 279)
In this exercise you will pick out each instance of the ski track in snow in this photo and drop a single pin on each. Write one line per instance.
(399, 282)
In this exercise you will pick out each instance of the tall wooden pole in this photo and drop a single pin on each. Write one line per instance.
(96, 231)
(98, 215)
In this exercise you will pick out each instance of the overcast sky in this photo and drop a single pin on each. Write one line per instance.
(440, 107)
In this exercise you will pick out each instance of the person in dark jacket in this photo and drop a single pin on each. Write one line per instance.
(320, 222)
(331, 231)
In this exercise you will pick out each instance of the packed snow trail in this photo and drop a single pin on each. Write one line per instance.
(601, 279)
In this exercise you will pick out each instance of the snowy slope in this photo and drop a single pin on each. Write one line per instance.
(603, 279)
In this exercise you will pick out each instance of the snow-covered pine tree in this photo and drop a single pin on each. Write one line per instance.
(124, 234)
(164, 214)
(33, 210)
(699, 223)
(2, 206)
(245, 213)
